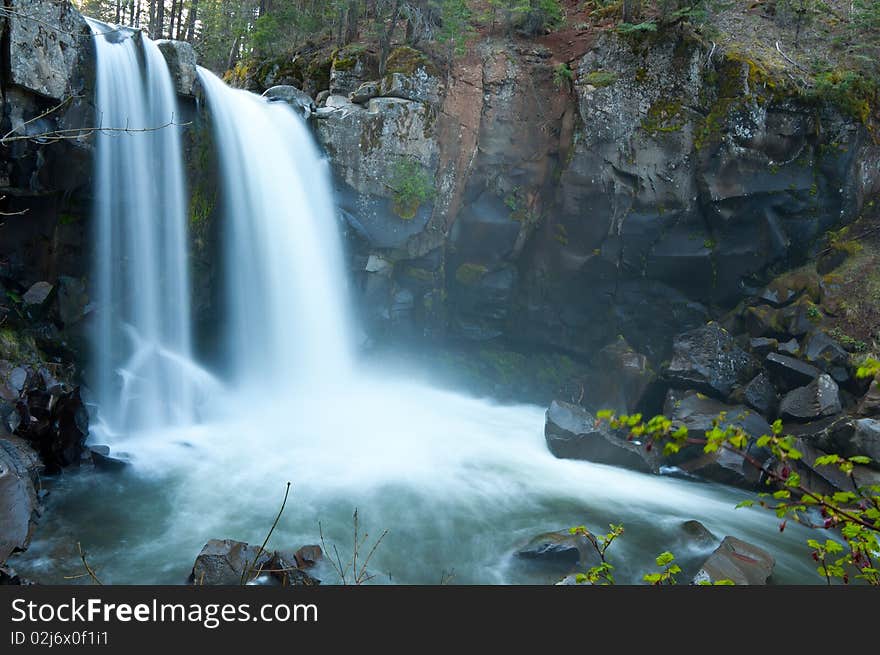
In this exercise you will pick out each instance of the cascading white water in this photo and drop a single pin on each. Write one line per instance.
(285, 282)
(143, 375)
(458, 481)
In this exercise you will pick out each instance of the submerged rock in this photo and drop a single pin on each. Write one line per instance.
(561, 547)
(573, 433)
(227, 562)
(737, 561)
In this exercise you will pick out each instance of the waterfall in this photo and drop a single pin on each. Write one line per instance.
(286, 286)
(143, 374)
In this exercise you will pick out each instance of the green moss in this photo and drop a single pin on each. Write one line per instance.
(406, 61)
(17, 348)
(469, 274)
(664, 116)
(850, 91)
(201, 205)
(600, 78)
(641, 75)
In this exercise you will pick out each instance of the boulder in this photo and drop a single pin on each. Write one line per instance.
(790, 347)
(351, 67)
(869, 405)
(708, 359)
(224, 562)
(852, 436)
(37, 294)
(737, 561)
(103, 460)
(557, 547)
(54, 420)
(19, 504)
(697, 413)
(573, 433)
(308, 556)
(418, 86)
(828, 479)
(828, 355)
(760, 395)
(181, 59)
(626, 376)
(763, 346)
(819, 398)
(284, 568)
(301, 101)
(364, 93)
(45, 45)
(697, 534)
(788, 373)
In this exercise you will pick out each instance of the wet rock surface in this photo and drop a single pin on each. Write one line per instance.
(573, 433)
(738, 561)
(233, 563)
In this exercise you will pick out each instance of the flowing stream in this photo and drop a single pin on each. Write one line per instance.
(457, 481)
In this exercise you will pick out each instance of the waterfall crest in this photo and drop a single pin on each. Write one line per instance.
(286, 290)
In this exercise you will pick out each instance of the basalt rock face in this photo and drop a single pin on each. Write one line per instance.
(47, 86)
(651, 188)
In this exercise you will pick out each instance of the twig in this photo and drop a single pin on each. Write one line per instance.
(91, 573)
(36, 118)
(18, 213)
(79, 132)
(9, 13)
(249, 569)
(784, 56)
(361, 577)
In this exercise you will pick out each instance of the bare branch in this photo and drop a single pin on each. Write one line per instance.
(250, 569)
(9, 13)
(91, 573)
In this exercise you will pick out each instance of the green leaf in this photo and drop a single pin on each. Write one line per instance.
(670, 448)
(604, 414)
(665, 558)
(745, 503)
(826, 460)
(860, 459)
(782, 493)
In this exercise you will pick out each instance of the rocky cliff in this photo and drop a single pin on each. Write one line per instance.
(645, 189)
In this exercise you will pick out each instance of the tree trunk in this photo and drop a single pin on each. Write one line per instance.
(191, 21)
(137, 14)
(233, 53)
(388, 36)
(351, 22)
(159, 31)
